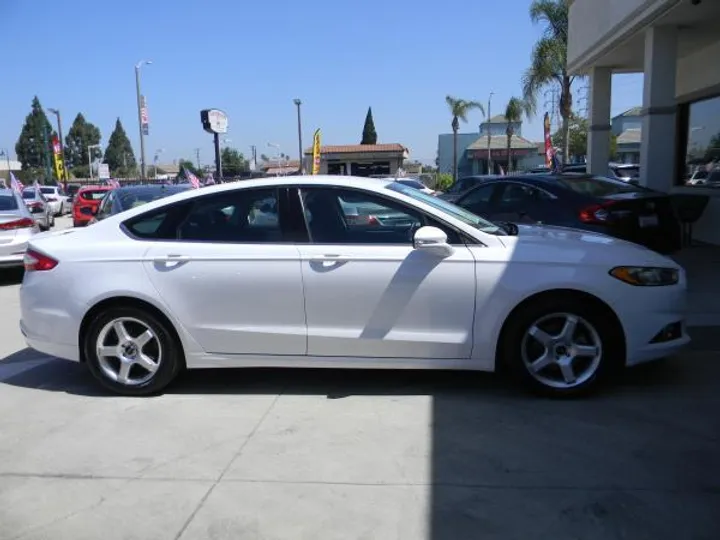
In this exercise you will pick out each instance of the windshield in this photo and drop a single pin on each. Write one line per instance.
(448, 208)
(597, 186)
(133, 198)
(412, 183)
(8, 202)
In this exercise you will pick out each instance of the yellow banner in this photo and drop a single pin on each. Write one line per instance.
(58, 160)
(316, 152)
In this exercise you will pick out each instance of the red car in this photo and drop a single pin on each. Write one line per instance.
(86, 202)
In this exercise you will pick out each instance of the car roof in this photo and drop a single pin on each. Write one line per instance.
(6, 191)
(152, 187)
(95, 188)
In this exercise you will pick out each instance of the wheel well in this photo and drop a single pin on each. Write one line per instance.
(124, 301)
(587, 298)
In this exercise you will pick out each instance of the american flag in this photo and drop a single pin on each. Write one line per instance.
(113, 183)
(194, 180)
(15, 183)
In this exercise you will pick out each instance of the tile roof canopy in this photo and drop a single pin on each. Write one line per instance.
(360, 148)
(497, 119)
(499, 142)
(630, 136)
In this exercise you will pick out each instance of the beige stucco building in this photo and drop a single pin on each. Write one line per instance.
(676, 44)
(359, 159)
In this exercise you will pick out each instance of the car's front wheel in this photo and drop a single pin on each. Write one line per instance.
(562, 347)
(131, 351)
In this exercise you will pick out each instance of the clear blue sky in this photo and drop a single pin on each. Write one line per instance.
(400, 57)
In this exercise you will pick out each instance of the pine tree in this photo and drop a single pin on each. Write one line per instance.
(33, 147)
(82, 134)
(369, 136)
(119, 153)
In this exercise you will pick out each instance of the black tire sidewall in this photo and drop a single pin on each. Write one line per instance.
(171, 360)
(521, 321)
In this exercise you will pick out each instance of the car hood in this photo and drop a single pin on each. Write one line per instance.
(564, 244)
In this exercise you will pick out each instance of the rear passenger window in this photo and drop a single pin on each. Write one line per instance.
(148, 227)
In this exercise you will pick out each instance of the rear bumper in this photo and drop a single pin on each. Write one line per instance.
(12, 254)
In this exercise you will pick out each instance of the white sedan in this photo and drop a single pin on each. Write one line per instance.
(192, 281)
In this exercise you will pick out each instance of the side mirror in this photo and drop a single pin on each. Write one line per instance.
(433, 240)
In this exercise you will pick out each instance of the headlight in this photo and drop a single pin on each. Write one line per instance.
(646, 276)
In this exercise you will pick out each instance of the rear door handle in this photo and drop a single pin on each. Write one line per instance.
(172, 258)
(332, 257)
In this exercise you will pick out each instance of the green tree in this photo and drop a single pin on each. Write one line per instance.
(443, 182)
(119, 153)
(514, 111)
(459, 109)
(548, 64)
(233, 162)
(33, 147)
(578, 138)
(369, 135)
(82, 134)
(190, 166)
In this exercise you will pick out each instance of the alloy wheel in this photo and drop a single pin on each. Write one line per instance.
(129, 351)
(562, 350)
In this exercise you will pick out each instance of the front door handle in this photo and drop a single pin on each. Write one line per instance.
(172, 258)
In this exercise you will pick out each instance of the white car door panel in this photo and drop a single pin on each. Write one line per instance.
(233, 298)
(388, 301)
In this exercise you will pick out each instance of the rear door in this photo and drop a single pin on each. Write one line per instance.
(480, 201)
(522, 203)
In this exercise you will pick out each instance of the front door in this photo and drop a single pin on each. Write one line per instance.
(230, 277)
(368, 293)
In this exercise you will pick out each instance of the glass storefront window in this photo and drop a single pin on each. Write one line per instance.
(702, 157)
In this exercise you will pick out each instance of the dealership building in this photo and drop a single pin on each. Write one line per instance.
(676, 45)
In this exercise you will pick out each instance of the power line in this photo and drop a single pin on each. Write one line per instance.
(551, 105)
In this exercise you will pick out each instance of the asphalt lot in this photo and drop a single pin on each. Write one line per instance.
(291, 454)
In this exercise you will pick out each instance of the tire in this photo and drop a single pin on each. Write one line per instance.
(547, 319)
(52, 221)
(77, 224)
(163, 349)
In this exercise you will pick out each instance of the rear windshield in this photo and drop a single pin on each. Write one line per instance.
(628, 172)
(29, 194)
(47, 190)
(134, 198)
(93, 195)
(597, 186)
(413, 184)
(8, 202)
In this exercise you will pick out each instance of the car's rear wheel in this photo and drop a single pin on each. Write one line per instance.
(562, 347)
(132, 352)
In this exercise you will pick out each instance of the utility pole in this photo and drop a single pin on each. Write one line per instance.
(56, 112)
(140, 107)
(299, 126)
(197, 157)
(489, 136)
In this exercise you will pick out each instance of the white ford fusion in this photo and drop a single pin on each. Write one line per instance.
(341, 272)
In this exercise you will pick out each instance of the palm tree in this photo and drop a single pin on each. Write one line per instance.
(549, 61)
(515, 110)
(459, 109)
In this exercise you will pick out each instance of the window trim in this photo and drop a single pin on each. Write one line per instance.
(465, 240)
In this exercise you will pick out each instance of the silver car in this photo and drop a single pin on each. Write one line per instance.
(17, 226)
(39, 208)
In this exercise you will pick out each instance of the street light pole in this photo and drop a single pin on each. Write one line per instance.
(56, 112)
(276, 147)
(299, 126)
(489, 156)
(139, 108)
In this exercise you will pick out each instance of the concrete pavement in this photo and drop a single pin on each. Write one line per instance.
(291, 454)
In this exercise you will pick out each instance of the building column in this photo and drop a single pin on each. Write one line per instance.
(657, 147)
(598, 144)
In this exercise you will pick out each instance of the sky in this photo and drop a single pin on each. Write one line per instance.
(252, 59)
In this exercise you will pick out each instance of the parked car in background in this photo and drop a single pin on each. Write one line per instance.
(703, 177)
(416, 184)
(17, 227)
(124, 198)
(39, 207)
(591, 203)
(56, 199)
(465, 184)
(626, 172)
(72, 189)
(87, 200)
(190, 281)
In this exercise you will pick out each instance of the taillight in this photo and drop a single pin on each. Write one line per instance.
(38, 262)
(597, 213)
(34, 205)
(23, 223)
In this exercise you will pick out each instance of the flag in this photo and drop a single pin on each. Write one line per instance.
(194, 180)
(113, 183)
(316, 152)
(556, 168)
(15, 183)
(548, 142)
(502, 171)
(36, 185)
